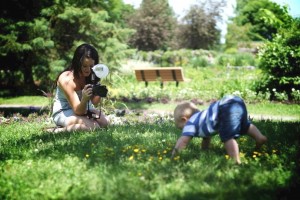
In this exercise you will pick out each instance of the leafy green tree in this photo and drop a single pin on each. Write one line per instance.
(198, 28)
(255, 12)
(154, 23)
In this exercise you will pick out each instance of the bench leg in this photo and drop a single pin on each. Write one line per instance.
(161, 85)
(177, 83)
(146, 84)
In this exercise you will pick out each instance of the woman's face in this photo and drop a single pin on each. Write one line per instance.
(86, 67)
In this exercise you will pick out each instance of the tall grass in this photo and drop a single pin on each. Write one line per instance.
(132, 161)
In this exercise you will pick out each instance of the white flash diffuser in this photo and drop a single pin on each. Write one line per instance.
(100, 70)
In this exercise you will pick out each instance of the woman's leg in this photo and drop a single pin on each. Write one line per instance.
(103, 121)
(75, 123)
(81, 123)
(71, 122)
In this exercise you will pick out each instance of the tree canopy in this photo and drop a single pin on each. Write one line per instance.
(254, 14)
(199, 26)
(154, 23)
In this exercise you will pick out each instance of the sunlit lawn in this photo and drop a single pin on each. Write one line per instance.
(25, 100)
(132, 161)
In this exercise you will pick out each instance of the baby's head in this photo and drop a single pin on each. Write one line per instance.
(183, 112)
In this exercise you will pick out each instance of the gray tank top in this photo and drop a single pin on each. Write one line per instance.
(61, 103)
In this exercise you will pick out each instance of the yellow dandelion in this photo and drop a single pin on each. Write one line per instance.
(160, 158)
(254, 156)
(140, 174)
(165, 151)
(131, 157)
(242, 155)
(144, 150)
(87, 155)
(227, 156)
(274, 151)
(136, 150)
(151, 158)
(176, 157)
(255, 152)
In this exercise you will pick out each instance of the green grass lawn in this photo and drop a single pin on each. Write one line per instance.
(25, 100)
(132, 161)
(131, 158)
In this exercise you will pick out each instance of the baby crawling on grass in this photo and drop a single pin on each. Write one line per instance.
(227, 116)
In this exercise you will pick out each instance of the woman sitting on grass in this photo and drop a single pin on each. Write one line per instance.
(74, 98)
(227, 116)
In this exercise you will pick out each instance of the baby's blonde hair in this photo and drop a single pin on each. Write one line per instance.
(185, 109)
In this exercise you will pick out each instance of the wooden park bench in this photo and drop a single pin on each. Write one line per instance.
(161, 74)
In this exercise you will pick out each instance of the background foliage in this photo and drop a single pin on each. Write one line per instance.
(280, 61)
(154, 23)
(198, 29)
(38, 39)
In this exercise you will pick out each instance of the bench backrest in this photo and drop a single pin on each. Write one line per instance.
(159, 74)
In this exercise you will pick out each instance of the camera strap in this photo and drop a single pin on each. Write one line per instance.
(90, 113)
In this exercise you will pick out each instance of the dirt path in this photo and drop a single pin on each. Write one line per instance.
(252, 116)
(14, 108)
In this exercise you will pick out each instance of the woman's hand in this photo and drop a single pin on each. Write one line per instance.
(87, 92)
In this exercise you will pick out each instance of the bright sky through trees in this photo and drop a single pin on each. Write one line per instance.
(180, 8)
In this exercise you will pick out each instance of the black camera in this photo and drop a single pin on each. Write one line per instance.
(97, 88)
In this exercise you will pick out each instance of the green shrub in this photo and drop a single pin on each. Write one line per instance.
(280, 61)
(225, 60)
(199, 62)
(245, 59)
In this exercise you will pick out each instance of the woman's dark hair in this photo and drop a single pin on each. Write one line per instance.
(81, 52)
